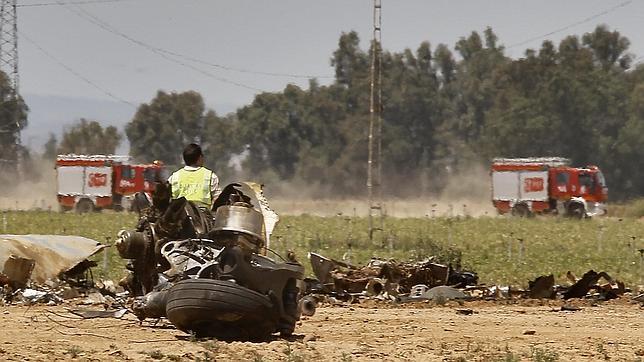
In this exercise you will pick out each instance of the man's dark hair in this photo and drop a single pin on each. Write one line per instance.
(191, 154)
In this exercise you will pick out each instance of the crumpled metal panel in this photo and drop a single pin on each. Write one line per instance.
(53, 254)
(270, 216)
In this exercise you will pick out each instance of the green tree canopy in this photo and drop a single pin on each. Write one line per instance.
(88, 138)
(161, 129)
(443, 108)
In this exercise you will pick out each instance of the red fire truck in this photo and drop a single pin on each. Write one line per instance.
(94, 182)
(527, 186)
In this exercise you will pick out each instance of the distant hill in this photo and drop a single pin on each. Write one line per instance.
(51, 114)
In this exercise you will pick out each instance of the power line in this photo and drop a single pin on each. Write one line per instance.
(104, 25)
(241, 70)
(72, 71)
(107, 27)
(590, 18)
(71, 2)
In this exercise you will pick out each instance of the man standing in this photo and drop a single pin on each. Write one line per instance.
(195, 182)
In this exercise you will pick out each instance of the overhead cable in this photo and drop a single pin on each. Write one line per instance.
(81, 2)
(241, 70)
(107, 27)
(112, 29)
(583, 21)
(72, 71)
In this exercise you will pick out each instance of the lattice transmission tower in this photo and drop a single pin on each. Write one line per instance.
(374, 166)
(10, 148)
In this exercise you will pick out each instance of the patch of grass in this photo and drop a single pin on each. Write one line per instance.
(509, 356)
(632, 209)
(290, 355)
(346, 357)
(502, 250)
(101, 227)
(544, 355)
(602, 351)
(154, 354)
(74, 351)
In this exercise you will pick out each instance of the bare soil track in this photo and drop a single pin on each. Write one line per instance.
(531, 330)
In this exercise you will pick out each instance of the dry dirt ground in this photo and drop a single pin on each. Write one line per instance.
(532, 330)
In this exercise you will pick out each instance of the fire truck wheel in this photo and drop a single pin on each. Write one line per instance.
(576, 211)
(521, 210)
(84, 206)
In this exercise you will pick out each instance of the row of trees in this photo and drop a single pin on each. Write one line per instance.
(85, 137)
(443, 111)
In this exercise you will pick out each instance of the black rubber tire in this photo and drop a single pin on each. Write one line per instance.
(576, 212)
(221, 309)
(84, 206)
(521, 210)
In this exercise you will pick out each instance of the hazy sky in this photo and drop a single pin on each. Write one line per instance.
(278, 36)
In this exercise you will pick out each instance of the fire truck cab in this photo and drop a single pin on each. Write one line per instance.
(527, 186)
(94, 182)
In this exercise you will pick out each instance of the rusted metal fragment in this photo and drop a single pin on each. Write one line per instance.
(353, 280)
(18, 271)
(53, 254)
(587, 282)
(380, 276)
(611, 290)
(322, 267)
(542, 287)
(426, 272)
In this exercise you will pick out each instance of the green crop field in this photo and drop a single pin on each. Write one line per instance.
(501, 250)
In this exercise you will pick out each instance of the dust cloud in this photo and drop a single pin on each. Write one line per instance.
(35, 191)
(466, 193)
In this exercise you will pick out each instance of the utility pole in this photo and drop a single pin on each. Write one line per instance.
(10, 130)
(374, 167)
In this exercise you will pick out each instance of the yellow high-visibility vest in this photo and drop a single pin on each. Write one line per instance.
(193, 185)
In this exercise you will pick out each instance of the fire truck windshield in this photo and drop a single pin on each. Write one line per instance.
(587, 181)
(600, 179)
